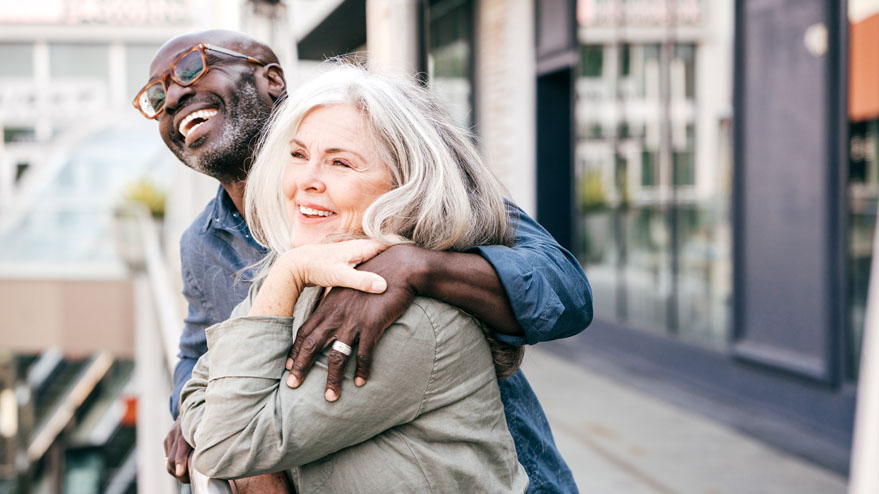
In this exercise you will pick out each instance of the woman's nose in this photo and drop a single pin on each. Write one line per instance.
(310, 177)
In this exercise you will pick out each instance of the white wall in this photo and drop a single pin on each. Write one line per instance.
(505, 95)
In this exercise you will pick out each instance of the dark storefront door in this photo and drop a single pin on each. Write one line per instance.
(787, 198)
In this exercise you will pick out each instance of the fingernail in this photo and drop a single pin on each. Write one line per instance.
(379, 285)
(331, 395)
(292, 381)
(359, 381)
(289, 364)
(179, 470)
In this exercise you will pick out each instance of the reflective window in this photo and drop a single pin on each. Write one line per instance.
(653, 165)
(18, 60)
(137, 67)
(79, 60)
(450, 57)
(863, 168)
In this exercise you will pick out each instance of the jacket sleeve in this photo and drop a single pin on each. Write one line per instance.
(238, 397)
(547, 288)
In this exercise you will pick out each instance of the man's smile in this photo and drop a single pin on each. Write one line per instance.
(193, 124)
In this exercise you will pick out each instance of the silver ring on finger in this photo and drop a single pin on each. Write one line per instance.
(342, 348)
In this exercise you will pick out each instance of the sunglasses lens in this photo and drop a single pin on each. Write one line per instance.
(152, 99)
(189, 68)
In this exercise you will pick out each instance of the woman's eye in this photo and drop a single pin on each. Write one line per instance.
(297, 155)
(341, 163)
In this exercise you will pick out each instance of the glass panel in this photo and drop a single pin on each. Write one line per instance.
(653, 185)
(591, 58)
(79, 61)
(18, 60)
(863, 170)
(450, 57)
(137, 67)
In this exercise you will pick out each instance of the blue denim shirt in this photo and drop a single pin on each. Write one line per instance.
(547, 288)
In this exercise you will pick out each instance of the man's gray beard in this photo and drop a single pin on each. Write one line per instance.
(228, 158)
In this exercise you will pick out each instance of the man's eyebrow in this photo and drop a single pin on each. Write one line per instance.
(330, 150)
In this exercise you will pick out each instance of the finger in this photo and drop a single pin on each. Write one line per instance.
(169, 460)
(359, 280)
(364, 362)
(181, 460)
(363, 249)
(167, 443)
(336, 370)
(305, 330)
(311, 346)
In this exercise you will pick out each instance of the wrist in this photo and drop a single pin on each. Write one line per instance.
(425, 270)
(290, 266)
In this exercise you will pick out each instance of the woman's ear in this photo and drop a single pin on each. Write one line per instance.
(277, 84)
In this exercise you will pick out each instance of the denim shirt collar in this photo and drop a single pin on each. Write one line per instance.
(225, 216)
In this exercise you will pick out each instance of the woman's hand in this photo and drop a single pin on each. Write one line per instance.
(332, 264)
(328, 265)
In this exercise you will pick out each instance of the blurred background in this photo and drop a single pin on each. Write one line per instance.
(714, 166)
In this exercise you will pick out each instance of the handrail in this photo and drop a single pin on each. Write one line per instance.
(89, 379)
(865, 448)
(168, 322)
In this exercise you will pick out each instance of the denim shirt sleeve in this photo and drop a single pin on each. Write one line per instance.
(198, 318)
(547, 288)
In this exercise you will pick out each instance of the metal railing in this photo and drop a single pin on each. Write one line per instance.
(158, 331)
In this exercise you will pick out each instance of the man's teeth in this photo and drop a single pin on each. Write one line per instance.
(313, 212)
(204, 115)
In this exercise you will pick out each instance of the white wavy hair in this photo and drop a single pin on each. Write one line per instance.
(443, 195)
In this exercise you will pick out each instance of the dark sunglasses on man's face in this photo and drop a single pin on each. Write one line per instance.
(188, 69)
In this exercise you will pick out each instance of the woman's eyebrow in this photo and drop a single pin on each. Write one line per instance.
(330, 150)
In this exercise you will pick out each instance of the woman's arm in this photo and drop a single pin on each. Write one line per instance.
(236, 399)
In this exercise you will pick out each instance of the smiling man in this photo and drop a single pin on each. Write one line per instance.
(211, 93)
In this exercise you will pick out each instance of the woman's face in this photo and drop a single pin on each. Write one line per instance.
(334, 174)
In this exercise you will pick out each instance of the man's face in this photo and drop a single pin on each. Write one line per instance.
(212, 125)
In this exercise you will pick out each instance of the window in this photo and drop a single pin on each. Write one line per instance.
(591, 57)
(79, 61)
(450, 57)
(18, 60)
(137, 67)
(653, 225)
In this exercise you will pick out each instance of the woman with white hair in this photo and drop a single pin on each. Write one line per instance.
(353, 155)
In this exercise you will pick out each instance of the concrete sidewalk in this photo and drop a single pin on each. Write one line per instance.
(619, 440)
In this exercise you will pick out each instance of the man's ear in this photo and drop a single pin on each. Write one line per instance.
(277, 84)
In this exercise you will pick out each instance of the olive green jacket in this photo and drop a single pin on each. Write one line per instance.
(429, 419)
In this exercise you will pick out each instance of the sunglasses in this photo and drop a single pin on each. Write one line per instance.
(188, 69)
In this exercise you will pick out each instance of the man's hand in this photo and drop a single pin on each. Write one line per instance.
(355, 317)
(177, 452)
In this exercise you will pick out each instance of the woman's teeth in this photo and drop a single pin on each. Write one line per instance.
(204, 115)
(313, 212)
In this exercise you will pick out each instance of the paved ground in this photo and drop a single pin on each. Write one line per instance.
(619, 441)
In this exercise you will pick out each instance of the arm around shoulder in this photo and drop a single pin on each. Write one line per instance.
(545, 283)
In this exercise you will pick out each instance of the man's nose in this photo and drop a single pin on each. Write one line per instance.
(174, 93)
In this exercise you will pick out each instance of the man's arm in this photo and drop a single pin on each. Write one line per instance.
(534, 291)
(547, 288)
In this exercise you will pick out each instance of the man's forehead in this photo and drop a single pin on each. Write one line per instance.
(180, 45)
